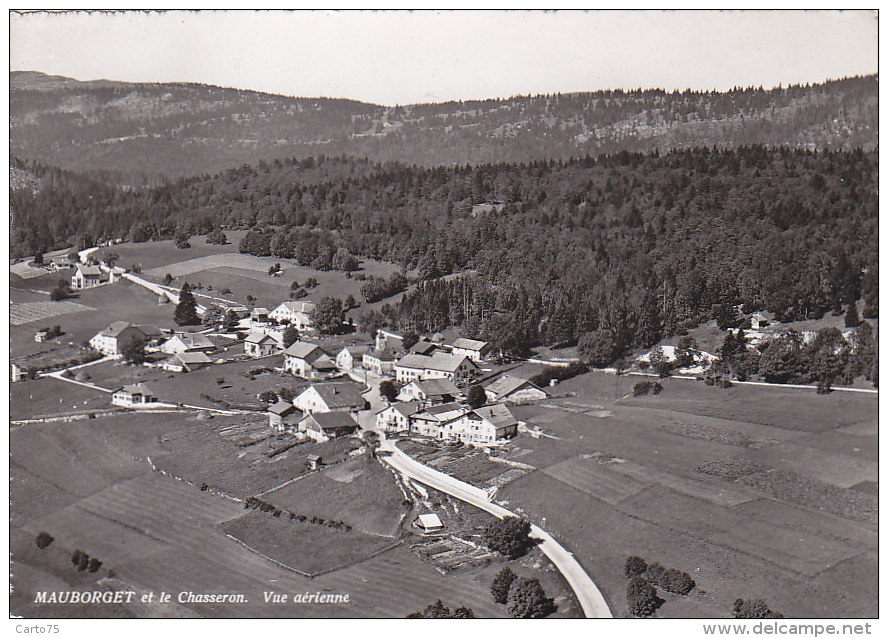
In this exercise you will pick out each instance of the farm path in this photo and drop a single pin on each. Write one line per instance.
(589, 596)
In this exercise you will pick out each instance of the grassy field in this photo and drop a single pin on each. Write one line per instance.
(360, 492)
(90, 485)
(627, 477)
(47, 396)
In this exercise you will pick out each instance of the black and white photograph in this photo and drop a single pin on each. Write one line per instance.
(438, 314)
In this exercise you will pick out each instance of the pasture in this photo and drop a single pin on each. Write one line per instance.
(754, 491)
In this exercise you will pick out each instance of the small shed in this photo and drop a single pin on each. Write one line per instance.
(313, 461)
(429, 523)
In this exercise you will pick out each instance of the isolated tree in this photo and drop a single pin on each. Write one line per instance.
(684, 352)
(167, 279)
(94, 564)
(44, 540)
(852, 320)
(476, 396)
(38, 258)
(186, 309)
(499, 588)
(268, 396)
(134, 352)
(753, 608)
(659, 363)
(388, 390)
(350, 302)
(509, 536)
(410, 339)
(291, 336)
(463, 612)
(112, 258)
(527, 599)
(231, 321)
(217, 237)
(59, 293)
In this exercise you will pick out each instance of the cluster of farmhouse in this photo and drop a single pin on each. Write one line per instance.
(431, 377)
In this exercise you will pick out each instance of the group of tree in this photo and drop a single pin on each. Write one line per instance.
(61, 292)
(376, 288)
(329, 316)
(641, 592)
(523, 597)
(753, 608)
(440, 610)
(510, 536)
(83, 561)
(642, 246)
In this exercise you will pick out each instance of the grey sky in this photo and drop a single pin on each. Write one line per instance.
(401, 57)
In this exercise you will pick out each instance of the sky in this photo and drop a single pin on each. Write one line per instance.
(424, 56)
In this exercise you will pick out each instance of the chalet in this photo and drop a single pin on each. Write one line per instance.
(396, 417)
(759, 321)
(483, 426)
(386, 339)
(380, 362)
(336, 396)
(323, 426)
(349, 355)
(61, 263)
(441, 365)
(471, 348)
(132, 395)
(283, 416)
(117, 336)
(296, 313)
(513, 390)
(115, 273)
(186, 342)
(429, 523)
(259, 315)
(313, 461)
(308, 360)
(41, 335)
(433, 420)
(87, 277)
(260, 344)
(430, 391)
(186, 362)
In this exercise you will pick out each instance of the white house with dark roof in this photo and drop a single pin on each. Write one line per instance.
(513, 390)
(134, 395)
(308, 360)
(323, 426)
(333, 396)
(471, 348)
(350, 356)
(186, 362)
(433, 420)
(87, 277)
(441, 365)
(187, 342)
(396, 417)
(430, 391)
(483, 426)
(283, 415)
(117, 336)
(260, 344)
(296, 313)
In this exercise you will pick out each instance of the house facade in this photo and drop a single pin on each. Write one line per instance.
(441, 365)
(349, 356)
(308, 360)
(116, 337)
(323, 426)
(87, 277)
(433, 421)
(513, 390)
(296, 313)
(471, 348)
(184, 342)
(335, 396)
(283, 415)
(396, 417)
(430, 392)
(483, 426)
(260, 344)
(186, 362)
(132, 396)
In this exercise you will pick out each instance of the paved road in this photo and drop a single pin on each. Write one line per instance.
(588, 595)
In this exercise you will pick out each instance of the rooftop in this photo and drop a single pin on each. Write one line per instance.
(332, 420)
(470, 344)
(440, 361)
(498, 415)
(339, 394)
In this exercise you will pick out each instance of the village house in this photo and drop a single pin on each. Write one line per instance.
(129, 396)
(430, 391)
(115, 273)
(186, 342)
(41, 335)
(759, 321)
(483, 426)
(308, 360)
(380, 362)
(117, 336)
(429, 523)
(296, 313)
(283, 415)
(432, 421)
(259, 316)
(423, 347)
(348, 356)
(471, 348)
(335, 396)
(260, 344)
(186, 362)
(513, 390)
(87, 277)
(396, 417)
(441, 365)
(323, 426)
(61, 263)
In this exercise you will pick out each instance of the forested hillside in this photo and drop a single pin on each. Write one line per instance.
(141, 133)
(641, 245)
